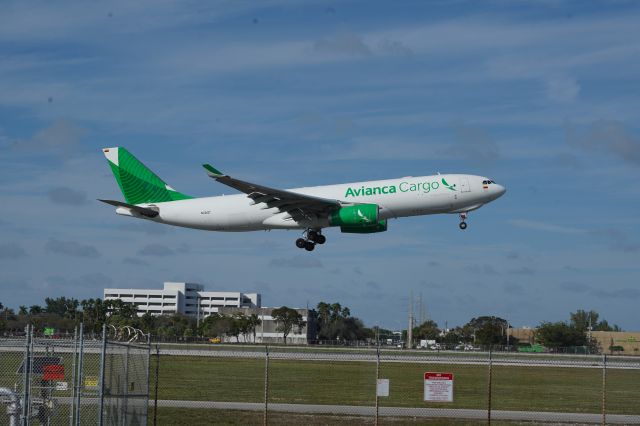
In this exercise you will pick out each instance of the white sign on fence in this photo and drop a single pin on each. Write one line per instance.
(438, 387)
(62, 386)
(383, 387)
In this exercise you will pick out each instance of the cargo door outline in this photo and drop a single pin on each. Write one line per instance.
(464, 184)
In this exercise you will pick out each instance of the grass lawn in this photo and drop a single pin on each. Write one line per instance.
(525, 388)
(353, 383)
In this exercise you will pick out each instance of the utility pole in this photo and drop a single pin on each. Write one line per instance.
(420, 303)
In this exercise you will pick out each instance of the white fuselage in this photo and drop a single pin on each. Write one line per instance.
(409, 196)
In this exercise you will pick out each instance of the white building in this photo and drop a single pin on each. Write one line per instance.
(182, 298)
(267, 331)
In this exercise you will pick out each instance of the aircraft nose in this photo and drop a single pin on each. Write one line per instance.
(501, 190)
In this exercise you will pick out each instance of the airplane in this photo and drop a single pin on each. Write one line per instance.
(358, 208)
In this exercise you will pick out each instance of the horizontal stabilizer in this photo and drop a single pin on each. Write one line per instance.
(143, 211)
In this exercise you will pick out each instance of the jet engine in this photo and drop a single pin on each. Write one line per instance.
(358, 219)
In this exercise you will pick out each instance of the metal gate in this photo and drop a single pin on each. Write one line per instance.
(80, 380)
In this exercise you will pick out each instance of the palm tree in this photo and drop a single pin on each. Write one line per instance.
(253, 322)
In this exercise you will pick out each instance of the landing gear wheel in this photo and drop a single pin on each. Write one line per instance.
(312, 235)
(300, 243)
(321, 239)
(309, 245)
(463, 225)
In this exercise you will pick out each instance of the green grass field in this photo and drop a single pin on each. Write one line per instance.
(575, 390)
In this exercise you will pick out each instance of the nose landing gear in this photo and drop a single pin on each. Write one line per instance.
(312, 237)
(463, 224)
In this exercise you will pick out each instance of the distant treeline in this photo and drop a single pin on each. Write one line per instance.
(333, 322)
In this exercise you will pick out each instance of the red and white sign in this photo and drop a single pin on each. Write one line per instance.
(438, 387)
(53, 372)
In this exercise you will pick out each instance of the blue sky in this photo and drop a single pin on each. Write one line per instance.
(541, 96)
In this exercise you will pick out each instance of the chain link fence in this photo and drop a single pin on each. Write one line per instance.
(72, 381)
(311, 385)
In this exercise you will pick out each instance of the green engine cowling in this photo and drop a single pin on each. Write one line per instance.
(358, 219)
(379, 226)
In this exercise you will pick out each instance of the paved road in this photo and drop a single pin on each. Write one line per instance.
(499, 359)
(426, 358)
(458, 413)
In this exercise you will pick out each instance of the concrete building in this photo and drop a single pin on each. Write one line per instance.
(267, 333)
(623, 342)
(524, 334)
(619, 342)
(182, 298)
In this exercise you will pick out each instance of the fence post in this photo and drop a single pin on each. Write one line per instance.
(148, 370)
(103, 357)
(377, 378)
(79, 375)
(266, 386)
(155, 398)
(604, 389)
(126, 386)
(26, 364)
(489, 385)
(73, 375)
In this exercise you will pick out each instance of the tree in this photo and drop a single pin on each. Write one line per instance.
(61, 306)
(286, 318)
(121, 310)
(604, 326)
(451, 339)
(428, 330)
(35, 310)
(560, 334)
(216, 325)
(335, 309)
(487, 330)
(239, 325)
(94, 314)
(147, 323)
(253, 322)
(336, 323)
(581, 320)
(323, 310)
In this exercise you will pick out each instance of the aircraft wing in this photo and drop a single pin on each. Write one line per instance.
(299, 206)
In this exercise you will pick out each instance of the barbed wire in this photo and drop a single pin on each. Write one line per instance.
(126, 334)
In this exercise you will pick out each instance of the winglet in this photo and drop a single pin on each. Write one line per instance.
(212, 171)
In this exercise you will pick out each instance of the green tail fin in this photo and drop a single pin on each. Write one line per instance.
(139, 184)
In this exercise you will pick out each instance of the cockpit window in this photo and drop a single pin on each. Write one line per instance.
(488, 182)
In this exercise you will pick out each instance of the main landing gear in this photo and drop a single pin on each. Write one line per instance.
(463, 217)
(312, 237)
